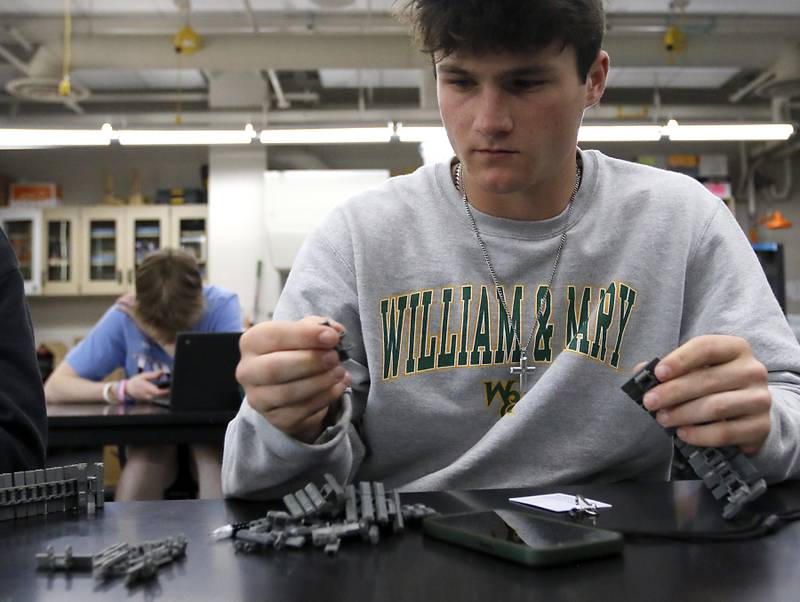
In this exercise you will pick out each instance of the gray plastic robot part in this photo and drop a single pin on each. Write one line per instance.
(77, 487)
(339, 513)
(725, 471)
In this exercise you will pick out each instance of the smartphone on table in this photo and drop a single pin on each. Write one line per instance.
(523, 537)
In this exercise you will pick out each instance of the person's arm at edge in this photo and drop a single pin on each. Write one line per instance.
(23, 419)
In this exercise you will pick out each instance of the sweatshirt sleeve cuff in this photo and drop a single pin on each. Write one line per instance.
(777, 459)
(286, 447)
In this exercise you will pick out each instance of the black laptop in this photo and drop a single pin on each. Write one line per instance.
(204, 373)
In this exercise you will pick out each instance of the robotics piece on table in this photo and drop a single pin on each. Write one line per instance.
(137, 562)
(726, 471)
(73, 488)
(325, 516)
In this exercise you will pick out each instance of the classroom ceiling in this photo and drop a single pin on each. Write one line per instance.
(336, 62)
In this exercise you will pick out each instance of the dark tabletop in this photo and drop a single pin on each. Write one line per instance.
(78, 424)
(412, 566)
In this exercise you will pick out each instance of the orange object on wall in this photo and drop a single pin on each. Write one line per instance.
(777, 221)
(34, 195)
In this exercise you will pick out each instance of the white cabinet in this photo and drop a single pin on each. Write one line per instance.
(95, 250)
(23, 227)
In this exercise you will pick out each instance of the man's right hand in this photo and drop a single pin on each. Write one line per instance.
(291, 373)
(142, 388)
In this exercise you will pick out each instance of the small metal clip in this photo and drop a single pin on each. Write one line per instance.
(583, 507)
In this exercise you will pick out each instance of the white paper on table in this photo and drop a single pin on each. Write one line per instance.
(555, 502)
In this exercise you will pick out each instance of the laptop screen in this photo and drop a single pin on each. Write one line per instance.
(204, 372)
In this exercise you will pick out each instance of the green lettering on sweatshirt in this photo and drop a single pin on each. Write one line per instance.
(627, 301)
(412, 334)
(505, 334)
(542, 351)
(447, 355)
(577, 327)
(466, 299)
(427, 347)
(392, 333)
(605, 316)
(481, 347)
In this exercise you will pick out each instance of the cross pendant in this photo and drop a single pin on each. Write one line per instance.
(523, 370)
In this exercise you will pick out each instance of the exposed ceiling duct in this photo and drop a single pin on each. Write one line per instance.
(781, 80)
(784, 77)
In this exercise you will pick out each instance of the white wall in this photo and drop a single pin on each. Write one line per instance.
(297, 201)
(236, 221)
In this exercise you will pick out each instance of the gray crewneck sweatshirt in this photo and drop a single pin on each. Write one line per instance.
(651, 260)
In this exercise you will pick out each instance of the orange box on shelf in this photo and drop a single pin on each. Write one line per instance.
(34, 194)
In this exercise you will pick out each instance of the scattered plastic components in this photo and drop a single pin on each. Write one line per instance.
(325, 516)
(73, 488)
(136, 562)
(726, 471)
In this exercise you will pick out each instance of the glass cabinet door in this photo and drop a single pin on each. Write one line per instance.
(61, 264)
(146, 239)
(102, 235)
(59, 250)
(190, 233)
(147, 228)
(103, 259)
(20, 235)
(192, 238)
(23, 230)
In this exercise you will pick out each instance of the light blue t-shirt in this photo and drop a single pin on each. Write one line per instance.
(116, 341)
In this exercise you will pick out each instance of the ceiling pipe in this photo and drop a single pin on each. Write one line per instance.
(603, 115)
(15, 61)
(20, 39)
(277, 89)
(49, 27)
(285, 51)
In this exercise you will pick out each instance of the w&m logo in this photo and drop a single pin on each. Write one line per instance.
(509, 396)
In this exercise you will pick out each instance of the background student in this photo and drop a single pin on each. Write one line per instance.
(138, 334)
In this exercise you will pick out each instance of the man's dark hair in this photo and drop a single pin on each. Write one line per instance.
(169, 292)
(477, 27)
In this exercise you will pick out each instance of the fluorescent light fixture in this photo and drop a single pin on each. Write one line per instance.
(421, 133)
(26, 138)
(619, 133)
(729, 131)
(184, 137)
(327, 135)
(109, 131)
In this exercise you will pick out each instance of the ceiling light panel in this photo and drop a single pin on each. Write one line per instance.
(714, 7)
(370, 78)
(318, 5)
(106, 7)
(139, 79)
(670, 77)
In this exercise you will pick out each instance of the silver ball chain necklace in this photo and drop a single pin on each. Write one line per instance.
(523, 369)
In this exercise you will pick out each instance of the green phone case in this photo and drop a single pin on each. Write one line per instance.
(574, 542)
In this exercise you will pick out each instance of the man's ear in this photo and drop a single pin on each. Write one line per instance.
(596, 79)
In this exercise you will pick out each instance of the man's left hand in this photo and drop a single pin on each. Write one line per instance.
(715, 392)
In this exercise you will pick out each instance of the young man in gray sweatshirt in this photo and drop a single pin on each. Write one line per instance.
(523, 252)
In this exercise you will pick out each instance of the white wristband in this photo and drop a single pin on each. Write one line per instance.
(107, 392)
